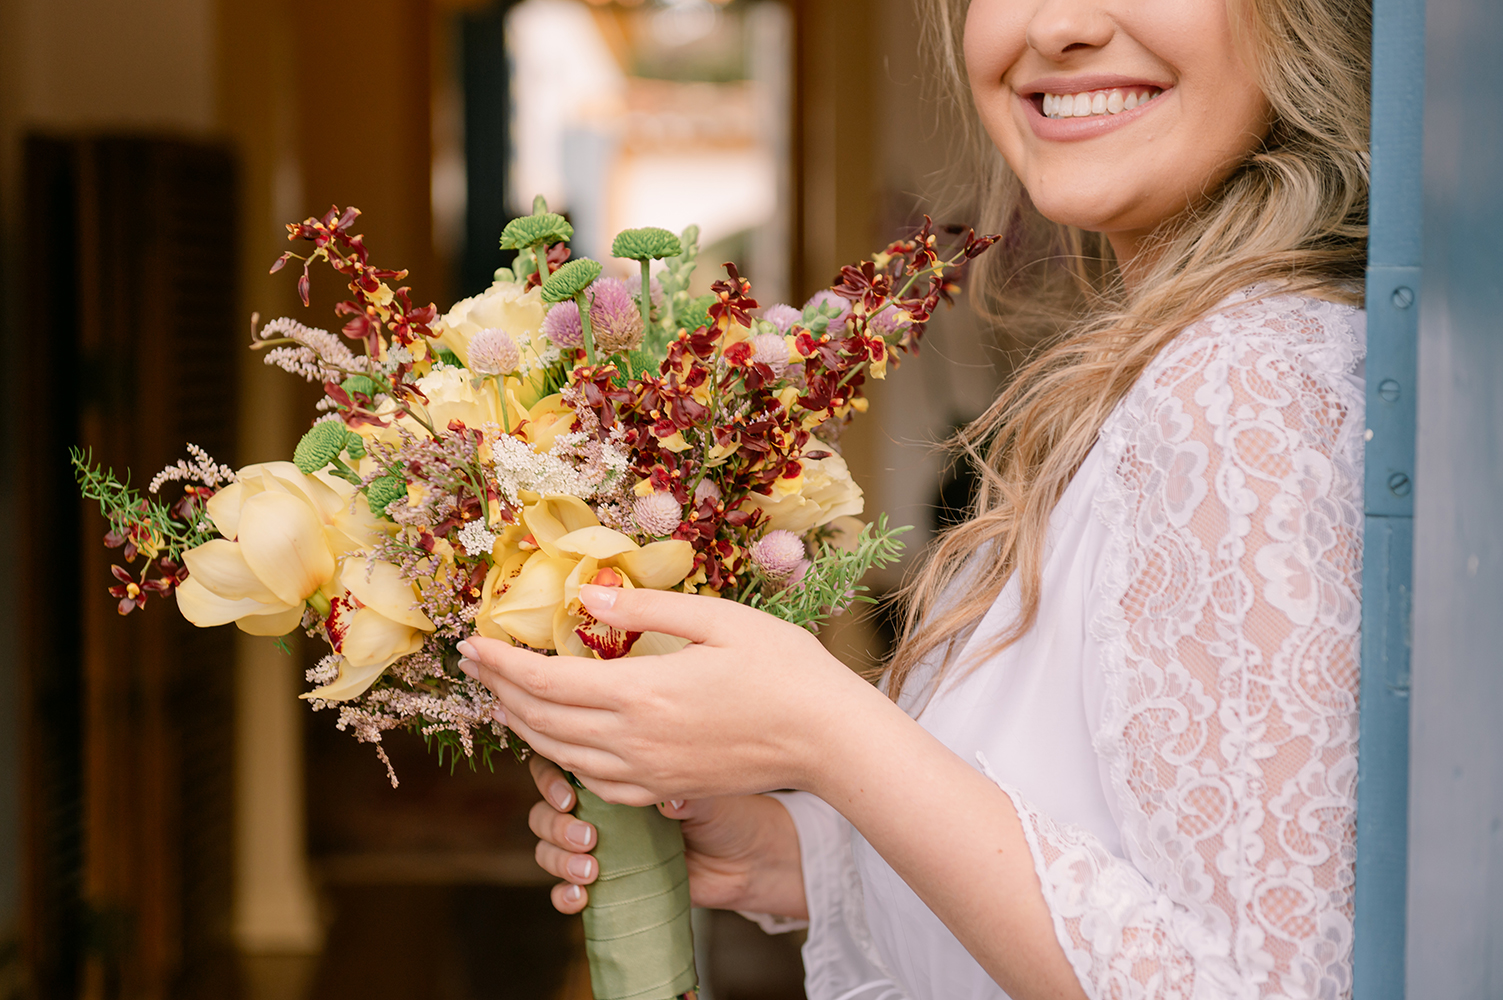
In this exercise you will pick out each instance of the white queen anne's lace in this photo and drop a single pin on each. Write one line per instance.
(1230, 629)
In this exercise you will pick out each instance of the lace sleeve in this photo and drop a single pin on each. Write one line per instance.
(1229, 633)
(840, 961)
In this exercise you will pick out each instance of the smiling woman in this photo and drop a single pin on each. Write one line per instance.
(1114, 754)
(1114, 119)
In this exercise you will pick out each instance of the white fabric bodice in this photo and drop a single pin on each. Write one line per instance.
(1178, 729)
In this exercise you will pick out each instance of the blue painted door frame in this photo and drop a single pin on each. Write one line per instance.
(1393, 286)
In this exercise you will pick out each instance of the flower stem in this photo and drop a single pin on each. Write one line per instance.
(505, 410)
(540, 255)
(585, 327)
(646, 295)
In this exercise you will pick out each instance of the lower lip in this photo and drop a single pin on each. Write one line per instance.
(1071, 129)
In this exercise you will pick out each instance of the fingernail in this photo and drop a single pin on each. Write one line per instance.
(677, 804)
(580, 833)
(499, 714)
(573, 893)
(579, 866)
(470, 668)
(466, 650)
(562, 796)
(598, 598)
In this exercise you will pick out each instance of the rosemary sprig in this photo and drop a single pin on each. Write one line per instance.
(151, 524)
(833, 580)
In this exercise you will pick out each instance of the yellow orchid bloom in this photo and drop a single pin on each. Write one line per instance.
(284, 535)
(548, 418)
(533, 597)
(206, 609)
(371, 625)
(277, 553)
(525, 608)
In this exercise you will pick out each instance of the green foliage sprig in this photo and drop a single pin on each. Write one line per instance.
(833, 580)
(157, 528)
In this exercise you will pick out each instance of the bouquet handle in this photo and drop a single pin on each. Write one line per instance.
(637, 932)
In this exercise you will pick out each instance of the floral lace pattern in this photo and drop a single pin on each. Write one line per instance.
(1230, 629)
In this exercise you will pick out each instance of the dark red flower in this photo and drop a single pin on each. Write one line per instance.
(129, 592)
(733, 301)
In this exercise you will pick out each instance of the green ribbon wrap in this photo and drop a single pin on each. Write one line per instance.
(636, 927)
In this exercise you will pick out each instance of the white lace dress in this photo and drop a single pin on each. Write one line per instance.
(1178, 731)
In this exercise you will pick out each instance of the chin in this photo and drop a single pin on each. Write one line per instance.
(1070, 212)
(1097, 209)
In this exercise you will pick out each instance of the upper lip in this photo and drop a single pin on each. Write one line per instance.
(1085, 83)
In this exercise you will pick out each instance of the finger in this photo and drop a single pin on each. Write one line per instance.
(710, 621)
(621, 793)
(551, 782)
(568, 898)
(560, 829)
(565, 680)
(567, 723)
(578, 759)
(580, 869)
(679, 808)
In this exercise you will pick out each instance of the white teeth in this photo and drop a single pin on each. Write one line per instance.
(1096, 102)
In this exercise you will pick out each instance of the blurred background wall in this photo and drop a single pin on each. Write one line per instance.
(173, 822)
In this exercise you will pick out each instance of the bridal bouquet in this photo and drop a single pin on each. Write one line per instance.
(468, 472)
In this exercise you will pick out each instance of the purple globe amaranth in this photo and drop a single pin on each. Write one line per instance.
(829, 298)
(654, 289)
(657, 514)
(493, 352)
(780, 556)
(615, 317)
(890, 321)
(782, 316)
(770, 349)
(706, 490)
(562, 325)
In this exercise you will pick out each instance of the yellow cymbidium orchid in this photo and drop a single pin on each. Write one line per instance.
(546, 420)
(284, 533)
(532, 597)
(373, 622)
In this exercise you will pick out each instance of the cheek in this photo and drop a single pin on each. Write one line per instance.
(995, 36)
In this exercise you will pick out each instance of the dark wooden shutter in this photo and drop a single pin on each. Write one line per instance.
(129, 347)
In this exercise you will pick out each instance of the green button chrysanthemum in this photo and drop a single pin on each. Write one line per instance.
(649, 243)
(384, 491)
(530, 230)
(570, 279)
(321, 446)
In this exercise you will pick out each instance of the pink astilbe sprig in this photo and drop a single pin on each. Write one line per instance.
(313, 354)
(420, 693)
(204, 470)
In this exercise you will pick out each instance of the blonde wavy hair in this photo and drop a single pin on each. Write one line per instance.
(1293, 213)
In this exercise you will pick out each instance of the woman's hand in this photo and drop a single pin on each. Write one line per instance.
(742, 852)
(753, 703)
